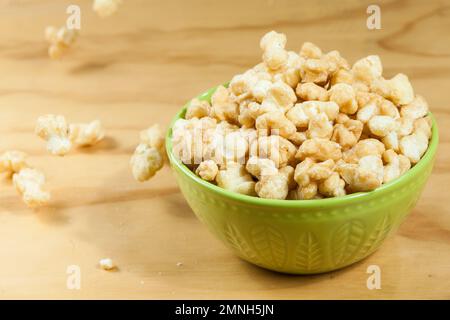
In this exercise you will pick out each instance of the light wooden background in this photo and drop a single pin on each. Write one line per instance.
(138, 68)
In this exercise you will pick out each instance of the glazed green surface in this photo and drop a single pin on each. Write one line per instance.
(303, 236)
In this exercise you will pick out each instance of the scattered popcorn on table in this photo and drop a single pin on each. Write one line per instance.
(148, 158)
(86, 134)
(55, 130)
(60, 135)
(107, 264)
(29, 183)
(305, 125)
(60, 40)
(106, 8)
(12, 162)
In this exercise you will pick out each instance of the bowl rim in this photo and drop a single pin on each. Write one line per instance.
(314, 203)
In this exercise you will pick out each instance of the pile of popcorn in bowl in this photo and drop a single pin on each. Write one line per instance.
(305, 125)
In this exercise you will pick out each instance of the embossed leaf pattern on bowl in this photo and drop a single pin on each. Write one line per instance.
(308, 254)
(346, 241)
(238, 242)
(270, 245)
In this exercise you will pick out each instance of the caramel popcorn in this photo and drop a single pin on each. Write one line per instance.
(305, 125)
(106, 8)
(12, 162)
(107, 264)
(148, 158)
(235, 178)
(60, 40)
(55, 130)
(60, 135)
(29, 183)
(86, 134)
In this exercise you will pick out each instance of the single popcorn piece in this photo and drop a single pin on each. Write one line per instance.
(106, 8)
(398, 89)
(281, 95)
(396, 165)
(207, 170)
(335, 62)
(223, 107)
(347, 133)
(381, 125)
(235, 178)
(301, 113)
(367, 69)
(198, 109)
(321, 170)
(342, 76)
(54, 129)
(316, 71)
(153, 137)
(319, 149)
(311, 91)
(145, 162)
(277, 123)
(367, 175)
(307, 192)
(365, 147)
(418, 108)
(367, 112)
(148, 158)
(414, 146)
(12, 162)
(276, 185)
(29, 183)
(276, 148)
(86, 134)
(290, 72)
(107, 264)
(273, 46)
(258, 167)
(345, 97)
(310, 50)
(320, 127)
(60, 40)
(333, 186)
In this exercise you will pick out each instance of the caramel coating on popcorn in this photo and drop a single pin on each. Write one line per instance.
(344, 95)
(198, 109)
(60, 40)
(12, 162)
(29, 183)
(207, 170)
(344, 128)
(273, 46)
(106, 8)
(148, 157)
(55, 130)
(236, 178)
(311, 91)
(86, 134)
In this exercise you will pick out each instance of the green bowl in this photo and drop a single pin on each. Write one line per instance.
(303, 236)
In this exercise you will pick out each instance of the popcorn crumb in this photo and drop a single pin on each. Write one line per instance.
(107, 264)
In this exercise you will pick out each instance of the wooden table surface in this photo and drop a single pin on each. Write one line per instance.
(139, 67)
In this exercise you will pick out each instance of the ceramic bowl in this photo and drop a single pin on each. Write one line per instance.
(303, 236)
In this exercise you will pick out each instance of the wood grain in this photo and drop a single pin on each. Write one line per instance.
(139, 67)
